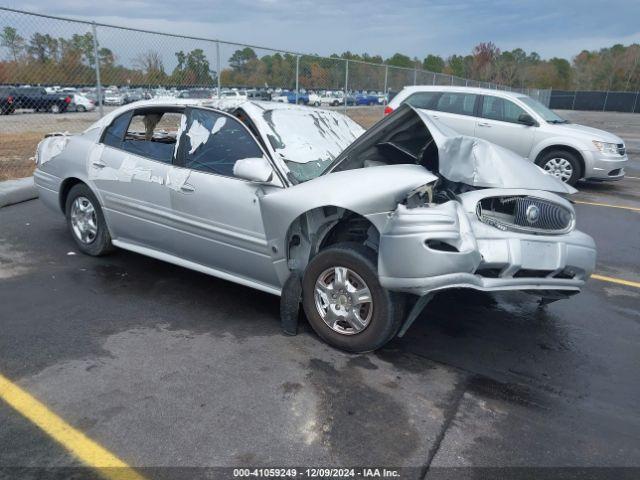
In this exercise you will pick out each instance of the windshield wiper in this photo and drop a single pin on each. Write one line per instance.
(557, 121)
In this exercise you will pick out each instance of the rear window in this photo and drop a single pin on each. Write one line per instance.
(422, 99)
(5, 91)
(460, 103)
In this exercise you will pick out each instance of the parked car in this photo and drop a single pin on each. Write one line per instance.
(114, 98)
(366, 99)
(300, 99)
(280, 97)
(351, 99)
(314, 99)
(332, 98)
(306, 205)
(81, 103)
(259, 95)
(520, 123)
(38, 99)
(195, 93)
(7, 103)
(93, 96)
(135, 96)
(239, 95)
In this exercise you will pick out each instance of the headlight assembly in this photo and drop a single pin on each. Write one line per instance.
(604, 147)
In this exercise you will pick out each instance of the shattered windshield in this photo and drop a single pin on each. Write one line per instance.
(308, 140)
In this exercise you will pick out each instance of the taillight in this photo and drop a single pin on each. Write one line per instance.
(388, 110)
(67, 100)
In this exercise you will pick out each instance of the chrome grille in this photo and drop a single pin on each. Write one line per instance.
(525, 214)
(621, 149)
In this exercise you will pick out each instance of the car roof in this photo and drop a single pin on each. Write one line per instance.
(476, 90)
(252, 107)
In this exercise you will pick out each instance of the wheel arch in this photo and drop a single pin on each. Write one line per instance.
(566, 148)
(320, 227)
(65, 187)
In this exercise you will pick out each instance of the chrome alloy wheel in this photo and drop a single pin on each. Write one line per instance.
(343, 300)
(84, 220)
(559, 167)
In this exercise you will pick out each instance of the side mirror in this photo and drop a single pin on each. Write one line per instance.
(253, 169)
(527, 119)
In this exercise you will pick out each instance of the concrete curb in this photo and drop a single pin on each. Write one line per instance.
(16, 191)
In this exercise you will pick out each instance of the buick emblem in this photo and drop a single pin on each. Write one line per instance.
(533, 214)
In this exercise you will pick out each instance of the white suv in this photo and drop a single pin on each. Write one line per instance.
(522, 124)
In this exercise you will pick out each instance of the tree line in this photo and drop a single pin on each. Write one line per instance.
(45, 59)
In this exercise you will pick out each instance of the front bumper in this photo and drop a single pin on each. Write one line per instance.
(428, 249)
(599, 166)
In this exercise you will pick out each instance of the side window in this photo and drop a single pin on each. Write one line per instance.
(495, 108)
(114, 134)
(422, 99)
(213, 143)
(460, 103)
(152, 134)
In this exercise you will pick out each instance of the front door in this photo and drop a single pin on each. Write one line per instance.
(219, 217)
(498, 123)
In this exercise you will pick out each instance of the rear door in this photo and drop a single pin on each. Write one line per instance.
(132, 170)
(457, 110)
(498, 123)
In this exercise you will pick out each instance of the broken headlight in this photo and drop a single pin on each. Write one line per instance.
(419, 197)
(525, 214)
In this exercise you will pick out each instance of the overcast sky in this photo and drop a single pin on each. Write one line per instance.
(550, 27)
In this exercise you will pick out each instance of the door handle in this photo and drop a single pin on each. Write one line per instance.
(484, 124)
(98, 164)
(187, 188)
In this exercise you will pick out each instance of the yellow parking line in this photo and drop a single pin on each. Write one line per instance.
(619, 281)
(89, 452)
(635, 209)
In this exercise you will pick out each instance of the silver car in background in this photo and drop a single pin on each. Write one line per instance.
(361, 228)
(525, 126)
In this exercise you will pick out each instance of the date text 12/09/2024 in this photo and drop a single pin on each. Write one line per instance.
(316, 473)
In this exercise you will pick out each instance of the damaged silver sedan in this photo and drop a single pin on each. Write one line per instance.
(361, 228)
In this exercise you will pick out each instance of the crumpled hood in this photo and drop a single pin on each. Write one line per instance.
(480, 163)
(365, 191)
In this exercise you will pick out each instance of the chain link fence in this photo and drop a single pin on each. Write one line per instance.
(58, 74)
(603, 101)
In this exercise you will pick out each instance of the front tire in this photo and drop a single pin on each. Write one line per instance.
(86, 221)
(55, 108)
(561, 164)
(344, 301)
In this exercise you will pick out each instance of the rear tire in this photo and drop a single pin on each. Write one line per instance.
(377, 320)
(55, 108)
(81, 108)
(86, 221)
(562, 164)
